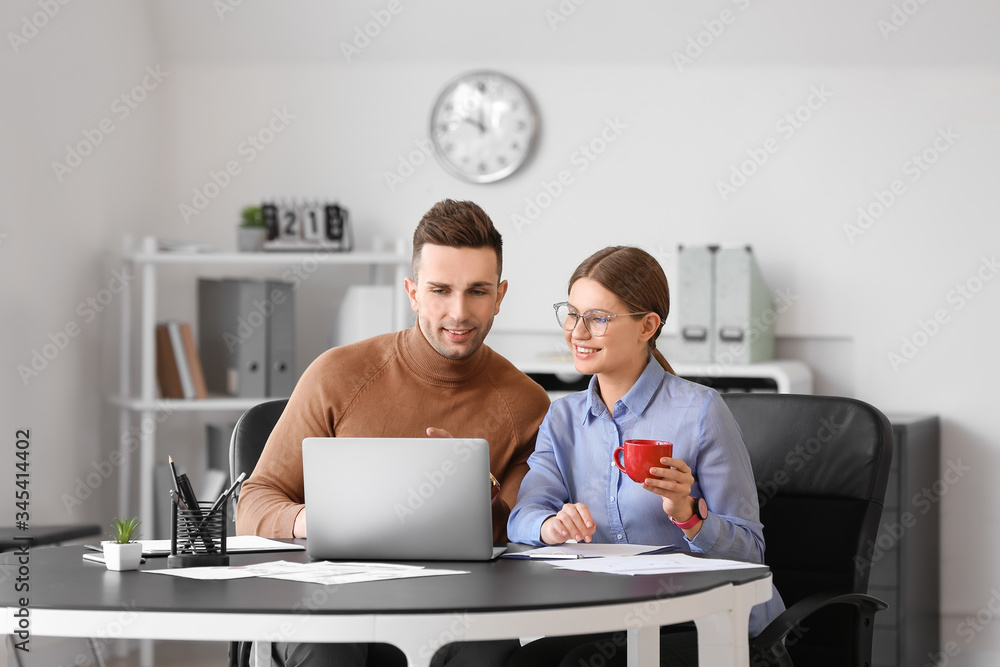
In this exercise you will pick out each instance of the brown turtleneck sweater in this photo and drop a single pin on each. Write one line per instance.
(395, 385)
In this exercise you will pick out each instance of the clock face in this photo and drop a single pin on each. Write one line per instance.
(483, 127)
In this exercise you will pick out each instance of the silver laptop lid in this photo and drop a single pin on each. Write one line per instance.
(397, 498)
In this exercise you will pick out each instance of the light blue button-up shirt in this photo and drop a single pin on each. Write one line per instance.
(572, 464)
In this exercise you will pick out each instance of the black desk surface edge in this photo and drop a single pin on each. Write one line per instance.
(499, 585)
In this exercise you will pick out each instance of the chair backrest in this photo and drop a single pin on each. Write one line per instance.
(250, 436)
(821, 464)
(245, 447)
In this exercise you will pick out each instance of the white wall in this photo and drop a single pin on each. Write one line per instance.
(61, 231)
(655, 185)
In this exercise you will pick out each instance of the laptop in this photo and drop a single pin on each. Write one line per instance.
(398, 499)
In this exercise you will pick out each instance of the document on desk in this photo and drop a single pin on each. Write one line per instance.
(656, 564)
(588, 550)
(318, 572)
(235, 544)
(329, 572)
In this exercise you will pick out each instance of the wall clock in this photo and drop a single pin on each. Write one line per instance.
(484, 126)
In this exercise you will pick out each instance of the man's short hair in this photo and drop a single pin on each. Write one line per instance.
(456, 224)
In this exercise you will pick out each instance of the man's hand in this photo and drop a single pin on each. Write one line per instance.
(673, 483)
(572, 521)
(438, 433)
(299, 528)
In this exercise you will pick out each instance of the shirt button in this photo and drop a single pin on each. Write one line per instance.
(612, 499)
(619, 536)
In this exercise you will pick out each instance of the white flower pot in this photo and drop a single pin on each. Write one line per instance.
(250, 239)
(120, 557)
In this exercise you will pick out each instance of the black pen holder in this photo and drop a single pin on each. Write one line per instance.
(197, 536)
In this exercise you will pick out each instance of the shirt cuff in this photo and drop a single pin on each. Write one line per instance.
(707, 536)
(532, 524)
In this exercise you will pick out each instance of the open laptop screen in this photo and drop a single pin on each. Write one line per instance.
(398, 498)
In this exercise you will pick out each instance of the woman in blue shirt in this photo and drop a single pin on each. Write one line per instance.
(618, 300)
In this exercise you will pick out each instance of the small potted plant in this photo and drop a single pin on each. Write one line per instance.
(252, 232)
(121, 552)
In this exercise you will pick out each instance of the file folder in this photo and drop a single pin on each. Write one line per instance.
(193, 361)
(167, 365)
(696, 304)
(180, 356)
(232, 332)
(744, 316)
(281, 372)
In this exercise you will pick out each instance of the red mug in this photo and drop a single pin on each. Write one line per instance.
(640, 456)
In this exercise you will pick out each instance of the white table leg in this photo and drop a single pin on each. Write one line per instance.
(261, 655)
(147, 654)
(414, 659)
(644, 647)
(723, 637)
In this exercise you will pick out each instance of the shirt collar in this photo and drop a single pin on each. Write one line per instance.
(636, 399)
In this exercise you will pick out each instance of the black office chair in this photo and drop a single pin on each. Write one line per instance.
(249, 437)
(245, 447)
(821, 464)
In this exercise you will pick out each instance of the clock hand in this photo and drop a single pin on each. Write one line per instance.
(478, 124)
(482, 126)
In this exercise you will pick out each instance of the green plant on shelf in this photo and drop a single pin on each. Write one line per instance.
(123, 530)
(252, 217)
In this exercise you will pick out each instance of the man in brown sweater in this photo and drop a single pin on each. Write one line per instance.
(435, 379)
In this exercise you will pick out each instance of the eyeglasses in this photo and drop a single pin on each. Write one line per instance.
(596, 321)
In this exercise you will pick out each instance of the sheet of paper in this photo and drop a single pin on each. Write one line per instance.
(587, 550)
(234, 544)
(328, 578)
(217, 573)
(319, 572)
(657, 564)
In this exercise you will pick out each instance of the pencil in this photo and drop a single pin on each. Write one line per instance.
(173, 473)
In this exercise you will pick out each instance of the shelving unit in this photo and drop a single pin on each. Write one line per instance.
(145, 404)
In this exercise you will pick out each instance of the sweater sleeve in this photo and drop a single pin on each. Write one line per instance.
(273, 495)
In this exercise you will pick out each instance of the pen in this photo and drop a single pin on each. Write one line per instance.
(222, 499)
(99, 558)
(177, 499)
(556, 556)
(186, 492)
